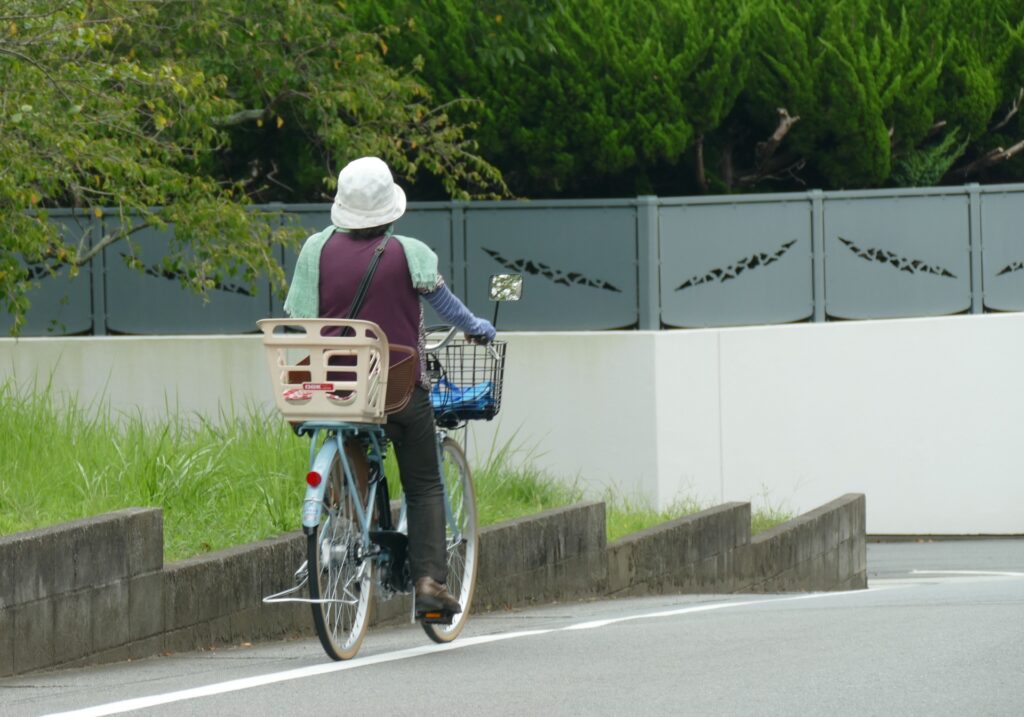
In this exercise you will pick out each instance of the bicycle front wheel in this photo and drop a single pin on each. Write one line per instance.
(340, 571)
(462, 538)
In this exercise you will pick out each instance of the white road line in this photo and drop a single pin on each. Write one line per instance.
(246, 683)
(705, 608)
(998, 573)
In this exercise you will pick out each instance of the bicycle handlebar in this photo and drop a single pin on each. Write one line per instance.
(445, 340)
(450, 332)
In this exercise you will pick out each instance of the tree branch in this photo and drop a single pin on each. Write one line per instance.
(241, 117)
(767, 166)
(727, 165)
(107, 241)
(702, 179)
(1014, 108)
(46, 73)
(251, 115)
(991, 158)
(786, 171)
(36, 16)
(764, 150)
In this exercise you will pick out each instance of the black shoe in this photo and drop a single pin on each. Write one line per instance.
(432, 595)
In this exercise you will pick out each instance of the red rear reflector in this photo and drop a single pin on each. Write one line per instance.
(313, 478)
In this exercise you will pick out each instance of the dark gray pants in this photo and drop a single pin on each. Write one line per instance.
(414, 437)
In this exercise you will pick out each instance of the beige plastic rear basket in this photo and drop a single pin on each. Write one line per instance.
(307, 388)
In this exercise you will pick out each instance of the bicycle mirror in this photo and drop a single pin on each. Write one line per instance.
(506, 287)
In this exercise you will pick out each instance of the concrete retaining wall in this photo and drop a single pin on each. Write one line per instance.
(788, 416)
(96, 590)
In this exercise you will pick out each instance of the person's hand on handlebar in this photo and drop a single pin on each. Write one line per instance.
(482, 333)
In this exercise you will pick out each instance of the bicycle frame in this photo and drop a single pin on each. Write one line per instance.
(320, 462)
(320, 459)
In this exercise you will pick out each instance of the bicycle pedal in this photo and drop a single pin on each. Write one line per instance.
(435, 617)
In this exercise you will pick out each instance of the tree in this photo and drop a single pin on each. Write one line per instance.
(316, 92)
(590, 97)
(886, 91)
(166, 112)
(580, 97)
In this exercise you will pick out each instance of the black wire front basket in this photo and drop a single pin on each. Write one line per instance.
(465, 381)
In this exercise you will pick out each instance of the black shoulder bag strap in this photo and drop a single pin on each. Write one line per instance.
(357, 302)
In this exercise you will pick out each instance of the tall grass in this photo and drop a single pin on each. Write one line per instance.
(630, 515)
(509, 485)
(220, 483)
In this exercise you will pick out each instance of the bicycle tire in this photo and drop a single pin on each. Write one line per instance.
(463, 543)
(339, 572)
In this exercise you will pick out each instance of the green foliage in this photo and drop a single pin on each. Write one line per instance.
(926, 166)
(578, 89)
(219, 484)
(159, 113)
(317, 81)
(588, 97)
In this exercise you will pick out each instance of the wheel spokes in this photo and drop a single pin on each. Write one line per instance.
(344, 579)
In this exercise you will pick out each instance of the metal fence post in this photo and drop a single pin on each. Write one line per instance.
(818, 251)
(459, 263)
(977, 280)
(275, 305)
(98, 279)
(648, 263)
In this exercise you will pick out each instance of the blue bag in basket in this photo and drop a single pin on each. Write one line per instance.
(449, 397)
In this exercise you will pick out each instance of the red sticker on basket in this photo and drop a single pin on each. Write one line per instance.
(318, 386)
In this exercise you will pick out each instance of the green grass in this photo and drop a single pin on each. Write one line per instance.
(626, 516)
(220, 483)
(508, 485)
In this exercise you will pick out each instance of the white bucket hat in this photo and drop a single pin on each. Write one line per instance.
(367, 195)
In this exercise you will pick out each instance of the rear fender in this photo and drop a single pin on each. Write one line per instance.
(312, 504)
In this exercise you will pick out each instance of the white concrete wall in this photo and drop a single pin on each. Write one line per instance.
(922, 415)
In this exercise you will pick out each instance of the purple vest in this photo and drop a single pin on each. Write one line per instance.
(391, 302)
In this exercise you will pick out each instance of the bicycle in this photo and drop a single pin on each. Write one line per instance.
(338, 390)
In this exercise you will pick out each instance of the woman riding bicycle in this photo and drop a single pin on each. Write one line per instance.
(327, 276)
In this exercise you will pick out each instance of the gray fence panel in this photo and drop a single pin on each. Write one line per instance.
(707, 261)
(153, 302)
(433, 226)
(1002, 221)
(578, 262)
(737, 263)
(889, 257)
(61, 305)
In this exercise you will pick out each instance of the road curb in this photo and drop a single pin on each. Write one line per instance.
(96, 590)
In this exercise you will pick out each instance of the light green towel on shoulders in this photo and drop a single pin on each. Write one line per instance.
(303, 301)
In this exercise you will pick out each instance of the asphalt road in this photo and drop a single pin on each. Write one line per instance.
(939, 632)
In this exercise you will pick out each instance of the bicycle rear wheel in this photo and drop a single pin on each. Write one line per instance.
(462, 538)
(341, 573)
